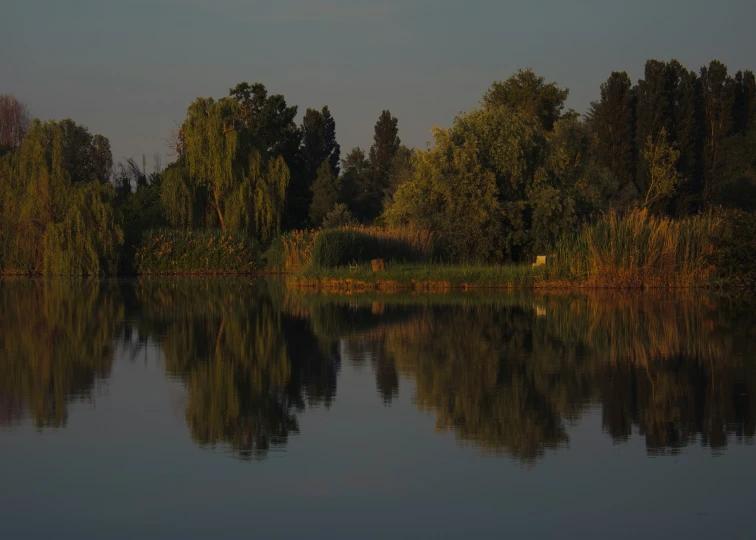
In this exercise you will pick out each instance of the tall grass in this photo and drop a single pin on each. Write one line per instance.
(639, 249)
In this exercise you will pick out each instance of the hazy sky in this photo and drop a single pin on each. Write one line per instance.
(129, 69)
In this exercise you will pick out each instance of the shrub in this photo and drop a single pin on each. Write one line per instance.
(339, 216)
(195, 252)
(735, 256)
(338, 247)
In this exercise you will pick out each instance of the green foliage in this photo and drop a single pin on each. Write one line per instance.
(88, 239)
(178, 197)
(57, 214)
(226, 169)
(325, 193)
(195, 252)
(660, 161)
(472, 186)
(529, 94)
(735, 256)
(339, 216)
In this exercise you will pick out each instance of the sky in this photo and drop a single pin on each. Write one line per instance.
(128, 69)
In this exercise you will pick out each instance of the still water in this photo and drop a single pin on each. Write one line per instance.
(208, 408)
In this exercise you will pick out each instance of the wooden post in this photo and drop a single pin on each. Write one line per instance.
(379, 265)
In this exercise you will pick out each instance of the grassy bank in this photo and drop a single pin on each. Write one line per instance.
(419, 277)
(634, 250)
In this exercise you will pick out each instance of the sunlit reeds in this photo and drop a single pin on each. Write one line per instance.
(639, 249)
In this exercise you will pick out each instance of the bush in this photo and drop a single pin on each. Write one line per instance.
(195, 252)
(735, 257)
(339, 216)
(339, 247)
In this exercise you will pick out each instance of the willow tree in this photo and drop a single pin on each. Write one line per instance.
(225, 167)
(55, 221)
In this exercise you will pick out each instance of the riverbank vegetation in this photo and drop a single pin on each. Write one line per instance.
(654, 186)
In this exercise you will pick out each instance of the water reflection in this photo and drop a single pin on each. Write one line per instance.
(249, 368)
(505, 373)
(509, 375)
(57, 340)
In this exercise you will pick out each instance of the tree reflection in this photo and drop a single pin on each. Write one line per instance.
(57, 340)
(509, 374)
(248, 367)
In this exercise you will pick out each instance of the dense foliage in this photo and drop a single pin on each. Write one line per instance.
(167, 251)
(56, 205)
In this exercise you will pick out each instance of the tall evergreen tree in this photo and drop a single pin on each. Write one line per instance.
(325, 193)
(386, 142)
(654, 113)
(356, 184)
(718, 102)
(612, 119)
(744, 104)
(318, 144)
(374, 184)
(686, 135)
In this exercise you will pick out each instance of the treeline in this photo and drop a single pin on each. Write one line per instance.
(507, 180)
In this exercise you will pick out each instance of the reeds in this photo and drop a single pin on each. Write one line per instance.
(639, 249)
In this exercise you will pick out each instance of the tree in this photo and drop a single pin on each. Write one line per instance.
(243, 187)
(687, 134)
(654, 112)
(325, 193)
(718, 101)
(530, 94)
(660, 159)
(338, 216)
(57, 213)
(14, 122)
(455, 194)
(612, 120)
(386, 143)
(318, 145)
(744, 104)
(269, 120)
(357, 187)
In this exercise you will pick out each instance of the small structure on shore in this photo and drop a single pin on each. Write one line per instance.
(540, 261)
(379, 265)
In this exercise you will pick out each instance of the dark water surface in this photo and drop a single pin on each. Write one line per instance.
(211, 408)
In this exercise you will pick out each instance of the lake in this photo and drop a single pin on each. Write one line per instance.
(228, 407)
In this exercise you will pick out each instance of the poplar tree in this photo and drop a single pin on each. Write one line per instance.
(318, 146)
(612, 120)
